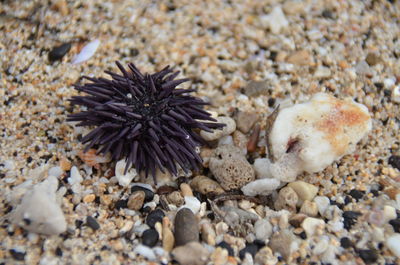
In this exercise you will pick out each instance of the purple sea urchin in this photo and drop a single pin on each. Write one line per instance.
(143, 118)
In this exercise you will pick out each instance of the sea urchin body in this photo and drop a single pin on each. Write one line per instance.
(143, 118)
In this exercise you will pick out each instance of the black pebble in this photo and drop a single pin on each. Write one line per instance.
(121, 204)
(17, 255)
(368, 256)
(226, 246)
(350, 218)
(148, 194)
(154, 217)
(394, 161)
(327, 14)
(150, 237)
(92, 223)
(271, 102)
(59, 252)
(303, 235)
(250, 248)
(57, 53)
(356, 194)
(396, 224)
(345, 242)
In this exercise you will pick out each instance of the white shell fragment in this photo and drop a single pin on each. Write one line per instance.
(39, 211)
(310, 136)
(124, 179)
(86, 52)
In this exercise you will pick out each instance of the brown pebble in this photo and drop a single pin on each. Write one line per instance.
(257, 88)
(392, 192)
(186, 227)
(301, 57)
(245, 121)
(89, 198)
(176, 198)
(297, 219)
(186, 190)
(62, 7)
(165, 190)
(135, 201)
(280, 242)
(168, 239)
(252, 143)
(192, 253)
(205, 185)
(372, 59)
(65, 164)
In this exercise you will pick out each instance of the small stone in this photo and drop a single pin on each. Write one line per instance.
(186, 227)
(327, 14)
(205, 185)
(261, 187)
(297, 219)
(136, 200)
(219, 256)
(265, 256)
(257, 88)
(145, 251)
(309, 208)
(250, 248)
(294, 7)
(263, 229)
(230, 127)
(75, 176)
(176, 198)
(287, 199)
(311, 224)
(65, 164)
(322, 72)
(226, 246)
(357, 194)
(149, 195)
(154, 217)
(393, 243)
(168, 239)
(363, 68)
(61, 6)
(345, 242)
(301, 58)
(192, 253)
(58, 52)
(369, 256)
(245, 121)
(208, 233)
(240, 140)
(186, 190)
(192, 203)
(372, 59)
(350, 218)
(276, 20)
(124, 179)
(281, 242)
(395, 223)
(322, 204)
(17, 255)
(92, 223)
(305, 191)
(150, 237)
(89, 198)
(230, 167)
(394, 161)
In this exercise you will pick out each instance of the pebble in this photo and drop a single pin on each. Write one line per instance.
(322, 72)
(250, 248)
(297, 219)
(395, 223)
(345, 242)
(87, 52)
(301, 58)
(261, 167)
(17, 255)
(363, 68)
(304, 190)
(311, 224)
(357, 194)
(322, 204)
(263, 229)
(230, 167)
(58, 52)
(287, 199)
(372, 59)
(176, 198)
(393, 243)
(192, 203)
(39, 211)
(265, 256)
(350, 218)
(257, 88)
(168, 239)
(149, 194)
(186, 227)
(186, 190)
(136, 200)
(145, 251)
(276, 20)
(207, 233)
(309, 208)
(192, 253)
(230, 127)
(240, 141)
(281, 242)
(150, 237)
(219, 256)
(245, 121)
(261, 187)
(75, 176)
(394, 161)
(124, 179)
(369, 256)
(154, 217)
(205, 185)
(92, 223)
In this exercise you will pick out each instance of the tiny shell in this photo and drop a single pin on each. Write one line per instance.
(86, 52)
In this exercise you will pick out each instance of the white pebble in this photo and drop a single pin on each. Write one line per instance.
(389, 213)
(262, 168)
(145, 252)
(75, 176)
(393, 243)
(276, 20)
(310, 225)
(260, 187)
(263, 229)
(124, 179)
(86, 52)
(230, 127)
(304, 190)
(192, 203)
(322, 204)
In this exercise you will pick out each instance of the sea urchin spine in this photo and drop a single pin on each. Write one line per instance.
(143, 118)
